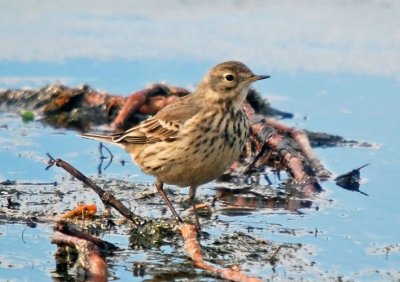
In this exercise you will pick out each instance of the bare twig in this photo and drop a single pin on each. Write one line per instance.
(106, 198)
(272, 257)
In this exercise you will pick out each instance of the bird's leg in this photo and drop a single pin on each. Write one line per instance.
(192, 195)
(159, 186)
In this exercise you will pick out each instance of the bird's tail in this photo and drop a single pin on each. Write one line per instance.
(102, 138)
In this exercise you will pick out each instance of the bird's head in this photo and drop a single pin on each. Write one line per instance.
(228, 81)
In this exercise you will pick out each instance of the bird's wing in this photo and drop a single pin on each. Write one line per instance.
(164, 126)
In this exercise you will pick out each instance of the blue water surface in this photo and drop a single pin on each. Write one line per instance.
(359, 108)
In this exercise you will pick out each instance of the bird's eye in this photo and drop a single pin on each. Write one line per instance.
(229, 77)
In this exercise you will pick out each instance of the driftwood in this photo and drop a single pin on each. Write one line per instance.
(83, 108)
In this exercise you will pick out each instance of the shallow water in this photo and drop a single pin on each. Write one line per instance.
(344, 234)
(348, 233)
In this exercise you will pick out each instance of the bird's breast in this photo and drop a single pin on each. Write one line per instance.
(206, 146)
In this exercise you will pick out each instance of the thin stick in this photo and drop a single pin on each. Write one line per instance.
(105, 197)
(274, 253)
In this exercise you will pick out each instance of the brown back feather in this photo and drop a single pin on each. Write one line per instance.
(164, 126)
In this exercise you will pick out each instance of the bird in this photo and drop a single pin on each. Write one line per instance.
(195, 139)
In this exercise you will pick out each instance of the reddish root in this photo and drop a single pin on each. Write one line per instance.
(193, 251)
(89, 255)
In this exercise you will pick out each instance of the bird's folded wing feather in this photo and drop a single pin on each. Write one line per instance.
(164, 126)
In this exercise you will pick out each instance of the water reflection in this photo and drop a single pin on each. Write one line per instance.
(244, 200)
(351, 180)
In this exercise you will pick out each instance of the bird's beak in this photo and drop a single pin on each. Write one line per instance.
(258, 77)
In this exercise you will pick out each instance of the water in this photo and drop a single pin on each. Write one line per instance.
(20, 247)
(326, 83)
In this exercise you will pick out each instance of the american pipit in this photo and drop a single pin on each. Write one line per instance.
(195, 139)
